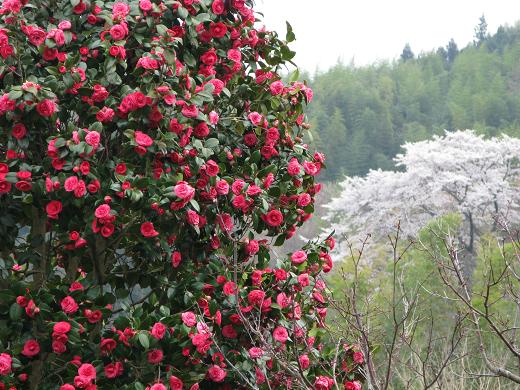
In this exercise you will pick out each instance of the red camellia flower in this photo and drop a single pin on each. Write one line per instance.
(46, 108)
(69, 305)
(53, 209)
(62, 327)
(323, 383)
(175, 383)
(255, 352)
(216, 374)
(158, 330)
(19, 131)
(143, 139)
(176, 259)
(304, 361)
(113, 370)
(87, 371)
(274, 218)
(256, 297)
(148, 230)
(155, 356)
(280, 334)
(31, 348)
(355, 385)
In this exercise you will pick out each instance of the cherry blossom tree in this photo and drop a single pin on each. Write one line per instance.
(147, 148)
(459, 172)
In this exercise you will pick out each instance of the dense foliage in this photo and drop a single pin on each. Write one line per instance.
(144, 147)
(363, 114)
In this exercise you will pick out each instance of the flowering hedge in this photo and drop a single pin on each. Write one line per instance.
(150, 154)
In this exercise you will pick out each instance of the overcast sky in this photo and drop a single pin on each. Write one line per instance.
(371, 30)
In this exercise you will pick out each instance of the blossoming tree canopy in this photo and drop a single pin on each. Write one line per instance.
(145, 149)
(459, 172)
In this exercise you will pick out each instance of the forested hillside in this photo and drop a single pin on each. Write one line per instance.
(361, 115)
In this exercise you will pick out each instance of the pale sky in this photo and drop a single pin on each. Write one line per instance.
(371, 30)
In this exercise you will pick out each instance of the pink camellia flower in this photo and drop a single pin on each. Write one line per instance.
(323, 383)
(234, 55)
(5, 364)
(69, 305)
(298, 257)
(175, 383)
(304, 361)
(276, 87)
(294, 167)
(358, 357)
(143, 139)
(67, 386)
(118, 32)
(189, 318)
(46, 108)
(113, 370)
(222, 187)
(255, 352)
(158, 330)
(148, 230)
(184, 191)
(93, 138)
(31, 348)
(212, 168)
(252, 247)
(274, 218)
(192, 217)
(62, 327)
(120, 10)
(218, 7)
(190, 111)
(255, 118)
(355, 385)
(256, 297)
(71, 183)
(157, 386)
(105, 115)
(155, 356)
(102, 211)
(213, 118)
(280, 334)
(303, 279)
(87, 371)
(216, 374)
(229, 288)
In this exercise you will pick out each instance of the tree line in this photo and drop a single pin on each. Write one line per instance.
(361, 115)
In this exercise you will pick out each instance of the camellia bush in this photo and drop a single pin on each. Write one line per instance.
(150, 155)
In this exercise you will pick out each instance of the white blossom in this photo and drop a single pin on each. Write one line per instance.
(458, 172)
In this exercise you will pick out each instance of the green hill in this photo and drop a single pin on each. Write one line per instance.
(361, 115)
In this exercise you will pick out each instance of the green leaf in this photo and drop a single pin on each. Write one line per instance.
(294, 76)
(15, 312)
(290, 37)
(144, 340)
(15, 95)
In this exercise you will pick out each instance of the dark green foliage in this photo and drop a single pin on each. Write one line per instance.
(361, 115)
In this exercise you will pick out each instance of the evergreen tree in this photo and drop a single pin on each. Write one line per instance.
(452, 51)
(480, 31)
(407, 53)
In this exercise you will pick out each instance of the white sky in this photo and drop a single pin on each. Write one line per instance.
(371, 30)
